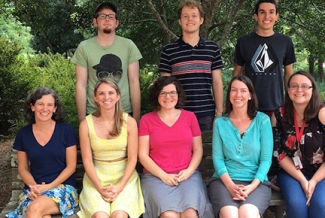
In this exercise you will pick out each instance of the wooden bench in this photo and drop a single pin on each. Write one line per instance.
(206, 168)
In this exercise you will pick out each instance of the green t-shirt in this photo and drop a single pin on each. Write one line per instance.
(103, 61)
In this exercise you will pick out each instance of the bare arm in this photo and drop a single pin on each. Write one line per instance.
(87, 158)
(151, 166)
(71, 161)
(165, 74)
(81, 91)
(288, 71)
(195, 161)
(23, 168)
(217, 87)
(238, 70)
(133, 73)
(132, 150)
(146, 160)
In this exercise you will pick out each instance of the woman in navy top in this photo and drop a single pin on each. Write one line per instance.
(47, 153)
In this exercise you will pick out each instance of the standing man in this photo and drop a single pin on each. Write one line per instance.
(196, 63)
(264, 53)
(107, 55)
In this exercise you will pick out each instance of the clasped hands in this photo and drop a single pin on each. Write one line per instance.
(175, 179)
(109, 193)
(37, 190)
(240, 192)
(308, 187)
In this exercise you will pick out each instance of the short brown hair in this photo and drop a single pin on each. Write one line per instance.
(192, 4)
(159, 84)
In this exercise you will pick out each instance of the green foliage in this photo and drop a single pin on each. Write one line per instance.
(14, 30)
(44, 70)
(147, 75)
(51, 23)
(12, 88)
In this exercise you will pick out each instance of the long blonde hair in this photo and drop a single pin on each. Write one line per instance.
(118, 115)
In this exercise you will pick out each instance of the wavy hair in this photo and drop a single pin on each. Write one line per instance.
(37, 94)
(158, 85)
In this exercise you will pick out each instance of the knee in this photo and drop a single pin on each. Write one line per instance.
(189, 213)
(119, 214)
(100, 215)
(318, 206)
(33, 209)
(169, 214)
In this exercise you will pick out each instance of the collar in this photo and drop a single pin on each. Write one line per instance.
(181, 42)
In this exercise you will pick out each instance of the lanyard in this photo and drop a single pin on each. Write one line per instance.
(298, 132)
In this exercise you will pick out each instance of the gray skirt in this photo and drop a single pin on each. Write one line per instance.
(220, 196)
(160, 197)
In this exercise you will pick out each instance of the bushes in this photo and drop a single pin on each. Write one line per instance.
(31, 72)
(12, 88)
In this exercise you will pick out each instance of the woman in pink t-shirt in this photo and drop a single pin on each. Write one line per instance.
(170, 149)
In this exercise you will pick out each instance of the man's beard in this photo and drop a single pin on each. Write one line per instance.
(107, 30)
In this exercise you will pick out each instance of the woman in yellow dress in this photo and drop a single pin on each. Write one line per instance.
(109, 147)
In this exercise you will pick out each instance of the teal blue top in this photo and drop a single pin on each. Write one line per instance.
(243, 157)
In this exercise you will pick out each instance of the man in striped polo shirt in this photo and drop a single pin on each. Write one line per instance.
(196, 63)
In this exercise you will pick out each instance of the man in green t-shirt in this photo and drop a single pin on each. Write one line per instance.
(107, 55)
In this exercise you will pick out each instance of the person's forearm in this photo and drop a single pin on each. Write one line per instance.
(320, 174)
(81, 98)
(27, 177)
(288, 166)
(135, 101)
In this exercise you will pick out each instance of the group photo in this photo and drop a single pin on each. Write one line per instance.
(162, 109)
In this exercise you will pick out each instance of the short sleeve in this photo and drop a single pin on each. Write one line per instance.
(18, 143)
(70, 136)
(195, 127)
(135, 54)
(164, 65)
(144, 125)
(238, 59)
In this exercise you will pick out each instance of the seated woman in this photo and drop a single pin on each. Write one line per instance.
(301, 132)
(49, 145)
(170, 149)
(109, 149)
(242, 147)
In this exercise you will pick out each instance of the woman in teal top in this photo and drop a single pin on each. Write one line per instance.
(242, 148)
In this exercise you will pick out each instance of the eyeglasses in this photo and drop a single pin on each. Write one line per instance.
(303, 87)
(171, 94)
(116, 76)
(103, 16)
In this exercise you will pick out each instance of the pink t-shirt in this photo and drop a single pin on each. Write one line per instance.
(170, 147)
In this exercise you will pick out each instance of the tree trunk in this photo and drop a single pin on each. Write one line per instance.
(311, 63)
(320, 69)
(210, 7)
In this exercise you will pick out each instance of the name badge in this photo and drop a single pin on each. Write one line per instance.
(297, 162)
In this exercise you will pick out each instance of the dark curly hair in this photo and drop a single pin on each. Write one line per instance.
(252, 104)
(315, 103)
(38, 94)
(158, 85)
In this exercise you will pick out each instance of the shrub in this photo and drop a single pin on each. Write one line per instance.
(147, 75)
(12, 88)
(54, 71)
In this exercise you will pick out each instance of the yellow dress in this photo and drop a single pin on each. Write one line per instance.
(130, 199)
